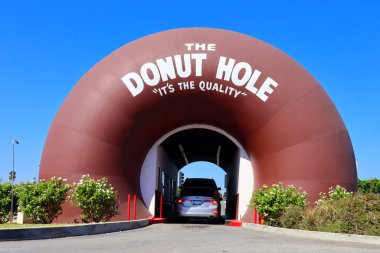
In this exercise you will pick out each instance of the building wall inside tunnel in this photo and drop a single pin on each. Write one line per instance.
(165, 164)
(232, 181)
(156, 163)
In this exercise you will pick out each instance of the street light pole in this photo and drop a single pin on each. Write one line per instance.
(13, 177)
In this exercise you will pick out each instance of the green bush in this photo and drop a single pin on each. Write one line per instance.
(292, 216)
(356, 214)
(42, 202)
(321, 218)
(338, 211)
(270, 202)
(96, 198)
(335, 193)
(5, 201)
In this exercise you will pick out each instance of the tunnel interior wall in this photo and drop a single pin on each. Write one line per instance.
(232, 187)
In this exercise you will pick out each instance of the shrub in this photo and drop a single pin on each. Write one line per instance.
(356, 214)
(335, 193)
(337, 211)
(5, 201)
(292, 216)
(270, 202)
(42, 202)
(96, 198)
(321, 218)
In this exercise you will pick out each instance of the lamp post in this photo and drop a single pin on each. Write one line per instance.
(12, 177)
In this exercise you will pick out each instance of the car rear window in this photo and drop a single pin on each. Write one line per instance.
(200, 183)
(198, 191)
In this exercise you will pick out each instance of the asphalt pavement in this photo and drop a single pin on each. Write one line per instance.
(184, 238)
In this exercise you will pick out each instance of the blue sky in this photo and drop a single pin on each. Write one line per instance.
(46, 46)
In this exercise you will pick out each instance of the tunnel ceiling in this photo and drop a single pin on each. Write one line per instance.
(200, 145)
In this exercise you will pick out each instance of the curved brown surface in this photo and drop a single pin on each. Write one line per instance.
(297, 136)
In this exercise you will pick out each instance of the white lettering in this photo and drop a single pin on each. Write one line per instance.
(198, 63)
(251, 83)
(145, 76)
(224, 68)
(235, 73)
(134, 89)
(189, 46)
(200, 46)
(183, 71)
(211, 47)
(266, 88)
(166, 68)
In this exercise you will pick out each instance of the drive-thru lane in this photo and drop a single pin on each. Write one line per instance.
(186, 238)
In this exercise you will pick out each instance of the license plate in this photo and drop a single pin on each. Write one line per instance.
(197, 202)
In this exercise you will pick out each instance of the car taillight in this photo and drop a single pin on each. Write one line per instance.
(180, 201)
(214, 202)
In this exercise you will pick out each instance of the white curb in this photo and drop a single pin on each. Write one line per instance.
(15, 234)
(316, 234)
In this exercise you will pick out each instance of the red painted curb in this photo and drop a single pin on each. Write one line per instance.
(234, 223)
(157, 220)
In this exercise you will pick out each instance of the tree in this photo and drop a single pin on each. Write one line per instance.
(5, 201)
(97, 199)
(365, 185)
(42, 202)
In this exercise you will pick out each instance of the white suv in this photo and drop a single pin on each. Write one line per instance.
(199, 198)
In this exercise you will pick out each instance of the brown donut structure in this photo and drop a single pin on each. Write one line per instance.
(290, 128)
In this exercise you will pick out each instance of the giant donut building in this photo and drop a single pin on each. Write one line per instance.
(180, 96)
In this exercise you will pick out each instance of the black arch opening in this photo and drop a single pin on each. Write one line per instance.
(194, 145)
(198, 144)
